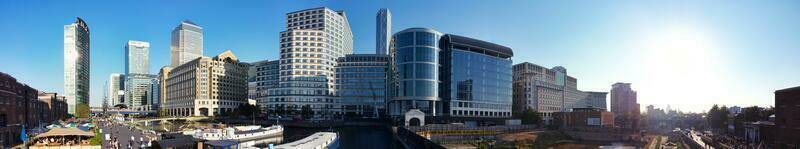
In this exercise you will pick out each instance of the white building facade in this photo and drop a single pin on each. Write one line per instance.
(314, 39)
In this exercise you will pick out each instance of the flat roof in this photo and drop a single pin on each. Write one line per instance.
(316, 140)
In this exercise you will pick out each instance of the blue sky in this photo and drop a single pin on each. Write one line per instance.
(686, 54)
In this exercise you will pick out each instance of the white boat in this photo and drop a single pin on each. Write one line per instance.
(319, 140)
(239, 133)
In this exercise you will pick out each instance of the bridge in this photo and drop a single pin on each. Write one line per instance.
(122, 111)
(162, 119)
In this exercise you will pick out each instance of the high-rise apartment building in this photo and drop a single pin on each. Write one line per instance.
(383, 31)
(361, 84)
(624, 105)
(313, 40)
(116, 88)
(76, 67)
(206, 86)
(550, 90)
(137, 57)
(187, 43)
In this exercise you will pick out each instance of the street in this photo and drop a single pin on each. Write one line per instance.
(123, 134)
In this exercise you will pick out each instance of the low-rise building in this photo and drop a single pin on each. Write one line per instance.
(24, 105)
(584, 117)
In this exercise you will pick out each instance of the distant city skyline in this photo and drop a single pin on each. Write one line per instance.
(689, 55)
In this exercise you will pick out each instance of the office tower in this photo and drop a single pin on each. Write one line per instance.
(116, 89)
(361, 84)
(263, 75)
(624, 105)
(138, 91)
(475, 77)
(207, 86)
(450, 78)
(550, 90)
(313, 39)
(76, 67)
(138, 80)
(137, 57)
(416, 74)
(187, 43)
(383, 33)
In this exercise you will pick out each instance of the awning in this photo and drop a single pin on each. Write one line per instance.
(65, 132)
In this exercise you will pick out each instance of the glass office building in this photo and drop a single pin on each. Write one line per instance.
(361, 83)
(383, 33)
(76, 66)
(475, 78)
(415, 66)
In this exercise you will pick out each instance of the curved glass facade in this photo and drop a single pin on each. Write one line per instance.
(415, 63)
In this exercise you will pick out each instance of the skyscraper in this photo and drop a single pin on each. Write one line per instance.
(116, 88)
(76, 67)
(383, 33)
(313, 39)
(187, 43)
(137, 57)
(138, 80)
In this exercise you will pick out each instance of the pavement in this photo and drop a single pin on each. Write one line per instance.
(123, 134)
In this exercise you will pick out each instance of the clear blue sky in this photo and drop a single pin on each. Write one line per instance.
(684, 53)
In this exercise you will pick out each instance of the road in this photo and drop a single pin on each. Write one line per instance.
(697, 138)
(123, 134)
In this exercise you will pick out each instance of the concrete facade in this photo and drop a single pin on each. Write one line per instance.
(206, 86)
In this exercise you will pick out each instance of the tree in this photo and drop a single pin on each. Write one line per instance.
(82, 110)
(530, 117)
(247, 110)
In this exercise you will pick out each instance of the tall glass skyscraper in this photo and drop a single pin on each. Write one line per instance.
(137, 57)
(415, 64)
(76, 66)
(138, 80)
(313, 40)
(383, 33)
(187, 43)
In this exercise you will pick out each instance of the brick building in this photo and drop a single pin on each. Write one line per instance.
(787, 118)
(23, 105)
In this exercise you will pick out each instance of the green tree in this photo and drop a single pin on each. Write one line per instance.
(530, 117)
(82, 110)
